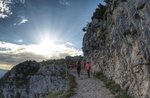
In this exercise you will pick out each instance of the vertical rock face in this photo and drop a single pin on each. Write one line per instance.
(33, 80)
(117, 43)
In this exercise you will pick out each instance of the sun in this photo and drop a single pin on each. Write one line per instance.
(47, 46)
(47, 43)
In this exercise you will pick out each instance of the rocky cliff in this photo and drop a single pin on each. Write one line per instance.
(117, 43)
(33, 80)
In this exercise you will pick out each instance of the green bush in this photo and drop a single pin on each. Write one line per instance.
(99, 12)
(108, 1)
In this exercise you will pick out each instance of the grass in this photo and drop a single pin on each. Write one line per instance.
(54, 95)
(112, 86)
(70, 90)
(71, 85)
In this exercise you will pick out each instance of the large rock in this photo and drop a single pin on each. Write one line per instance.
(119, 45)
(33, 80)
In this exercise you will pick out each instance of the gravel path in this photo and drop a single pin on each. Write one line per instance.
(90, 87)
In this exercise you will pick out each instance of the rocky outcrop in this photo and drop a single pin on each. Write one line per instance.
(72, 61)
(33, 80)
(117, 43)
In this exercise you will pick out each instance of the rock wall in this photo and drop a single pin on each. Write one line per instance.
(33, 80)
(117, 43)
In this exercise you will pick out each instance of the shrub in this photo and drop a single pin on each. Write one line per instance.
(99, 12)
(112, 86)
(108, 1)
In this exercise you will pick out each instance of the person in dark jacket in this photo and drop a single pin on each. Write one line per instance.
(78, 68)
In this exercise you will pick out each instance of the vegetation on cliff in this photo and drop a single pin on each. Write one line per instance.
(68, 93)
(99, 12)
(112, 86)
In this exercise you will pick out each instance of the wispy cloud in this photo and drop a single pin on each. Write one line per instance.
(22, 1)
(13, 53)
(19, 41)
(23, 20)
(64, 2)
(70, 44)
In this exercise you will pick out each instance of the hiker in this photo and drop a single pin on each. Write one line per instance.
(78, 68)
(88, 68)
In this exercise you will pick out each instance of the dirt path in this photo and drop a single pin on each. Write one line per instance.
(90, 87)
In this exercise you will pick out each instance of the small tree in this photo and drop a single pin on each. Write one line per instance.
(108, 1)
(99, 12)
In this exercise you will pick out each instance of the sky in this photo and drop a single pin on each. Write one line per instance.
(42, 29)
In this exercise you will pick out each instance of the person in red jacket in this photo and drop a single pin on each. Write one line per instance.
(88, 68)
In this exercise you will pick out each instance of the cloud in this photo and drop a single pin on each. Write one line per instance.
(23, 20)
(22, 1)
(3, 50)
(5, 66)
(70, 44)
(5, 8)
(6, 5)
(12, 54)
(64, 2)
(19, 41)
(13, 59)
(2, 15)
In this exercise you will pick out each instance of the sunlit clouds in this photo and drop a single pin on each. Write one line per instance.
(13, 53)
(5, 66)
(42, 29)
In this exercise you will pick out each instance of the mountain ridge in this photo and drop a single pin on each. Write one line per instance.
(31, 79)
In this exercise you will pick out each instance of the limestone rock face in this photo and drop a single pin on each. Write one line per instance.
(33, 80)
(118, 44)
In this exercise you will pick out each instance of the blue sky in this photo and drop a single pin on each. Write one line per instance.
(35, 23)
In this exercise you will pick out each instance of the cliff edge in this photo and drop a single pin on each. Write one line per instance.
(117, 43)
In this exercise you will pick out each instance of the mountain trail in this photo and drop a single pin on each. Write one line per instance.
(90, 87)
